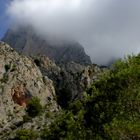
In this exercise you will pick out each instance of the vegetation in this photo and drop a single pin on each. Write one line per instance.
(4, 79)
(34, 107)
(25, 135)
(5, 75)
(7, 67)
(109, 111)
(37, 62)
(63, 97)
(26, 118)
(66, 126)
(13, 68)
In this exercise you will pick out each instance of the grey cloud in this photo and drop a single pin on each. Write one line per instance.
(108, 29)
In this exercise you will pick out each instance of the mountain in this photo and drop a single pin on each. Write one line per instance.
(110, 109)
(20, 82)
(70, 79)
(26, 41)
(40, 100)
(23, 79)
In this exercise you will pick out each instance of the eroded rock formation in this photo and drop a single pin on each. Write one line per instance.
(20, 80)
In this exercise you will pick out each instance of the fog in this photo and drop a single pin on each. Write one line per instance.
(108, 29)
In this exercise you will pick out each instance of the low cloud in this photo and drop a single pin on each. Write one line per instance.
(108, 29)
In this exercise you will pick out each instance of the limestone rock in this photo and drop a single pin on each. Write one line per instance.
(20, 80)
(71, 79)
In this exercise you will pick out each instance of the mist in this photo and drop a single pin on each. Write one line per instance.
(108, 29)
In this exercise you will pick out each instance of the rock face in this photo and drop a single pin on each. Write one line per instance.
(20, 80)
(25, 41)
(71, 80)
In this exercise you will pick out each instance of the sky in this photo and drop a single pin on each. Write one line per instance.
(4, 19)
(108, 29)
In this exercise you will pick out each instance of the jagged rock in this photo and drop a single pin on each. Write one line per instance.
(26, 41)
(20, 80)
(71, 80)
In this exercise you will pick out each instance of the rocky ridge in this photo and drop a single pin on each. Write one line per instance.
(20, 80)
(25, 40)
(71, 79)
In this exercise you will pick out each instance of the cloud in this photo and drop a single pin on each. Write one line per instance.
(108, 29)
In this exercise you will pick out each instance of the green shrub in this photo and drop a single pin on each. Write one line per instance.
(37, 62)
(13, 68)
(25, 135)
(76, 106)
(26, 118)
(65, 127)
(4, 79)
(34, 107)
(110, 111)
(7, 67)
(113, 110)
(64, 97)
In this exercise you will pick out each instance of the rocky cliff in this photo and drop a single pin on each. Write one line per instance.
(22, 78)
(20, 81)
(71, 79)
(26, 41)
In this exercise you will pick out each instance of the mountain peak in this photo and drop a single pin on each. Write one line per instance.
(26, 41)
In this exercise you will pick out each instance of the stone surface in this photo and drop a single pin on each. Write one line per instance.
(20, 80)
(69, 78)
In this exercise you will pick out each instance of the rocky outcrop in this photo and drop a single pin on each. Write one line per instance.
(26, 41)
(71, 80)
(20, 80)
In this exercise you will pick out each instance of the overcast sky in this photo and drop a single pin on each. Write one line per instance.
(108, 29)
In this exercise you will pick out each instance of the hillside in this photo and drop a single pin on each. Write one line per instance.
(40, 100)
(20, 81)
(70, 79)
(24, 78)
(110, 109)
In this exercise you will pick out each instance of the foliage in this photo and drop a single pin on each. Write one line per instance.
(65, 127)
(37, 62)
(26, 118)
(63, 97)
(13, 68)
(4, 79)
(34, 107)
(7, 67)
(25, 135)
(115, 102)
(110, 111)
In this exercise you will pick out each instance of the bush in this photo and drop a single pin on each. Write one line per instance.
(64, 97)
(26, 118)
(7, 67)
(4, 79)
(34, 107)
(65, 127)
(111, 109)
(13, 68)
(25, 135)
(37, 62)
